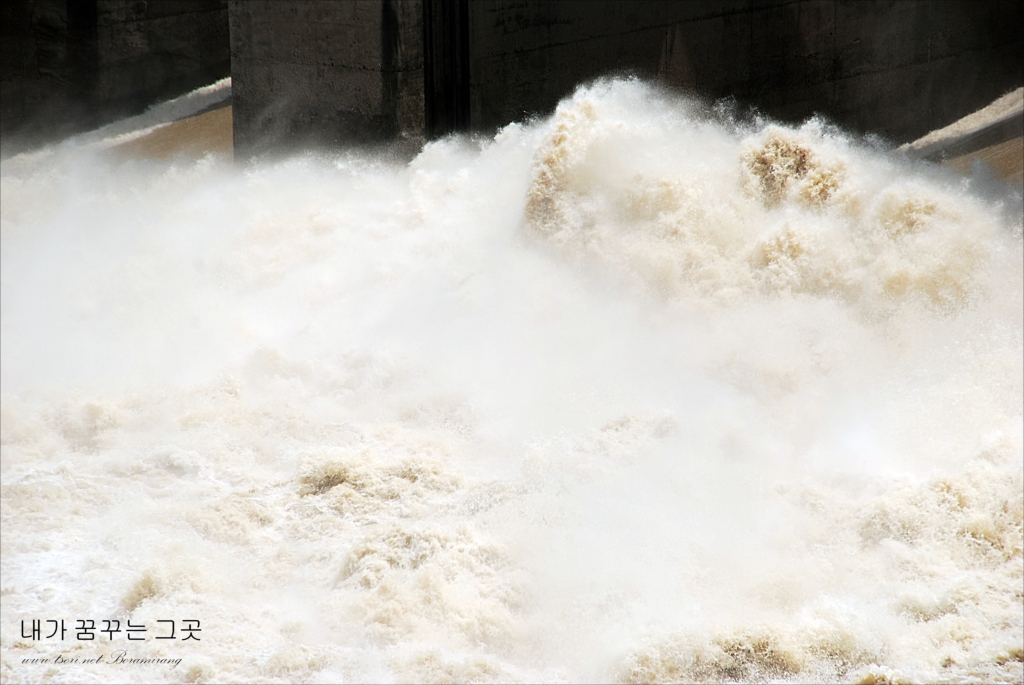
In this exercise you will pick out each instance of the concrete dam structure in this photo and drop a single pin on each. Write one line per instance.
(310, 73)
(331, 72)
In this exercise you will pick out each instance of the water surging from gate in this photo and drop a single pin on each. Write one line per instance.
(639, 392)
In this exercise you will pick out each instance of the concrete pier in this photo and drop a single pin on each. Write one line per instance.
(325, 72)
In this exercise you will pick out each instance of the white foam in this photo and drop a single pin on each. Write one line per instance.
(633, 393)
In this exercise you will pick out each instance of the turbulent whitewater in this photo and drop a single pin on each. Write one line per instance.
(644, 391)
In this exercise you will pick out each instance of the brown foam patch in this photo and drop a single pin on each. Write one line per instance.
(1006, 159)
(196, 136)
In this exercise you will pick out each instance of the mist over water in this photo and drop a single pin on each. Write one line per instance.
(639, 392)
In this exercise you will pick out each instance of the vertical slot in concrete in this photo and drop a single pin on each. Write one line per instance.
(446, 66)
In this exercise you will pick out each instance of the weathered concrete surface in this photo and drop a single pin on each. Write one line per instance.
(71, 65)
(895, 68)
(325, 72)
(336, 71)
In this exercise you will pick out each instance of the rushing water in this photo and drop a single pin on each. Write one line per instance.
(638, 392)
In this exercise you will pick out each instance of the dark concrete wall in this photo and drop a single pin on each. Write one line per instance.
(898, 68)
(336, 71)
(325, 72)
(70, 65)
